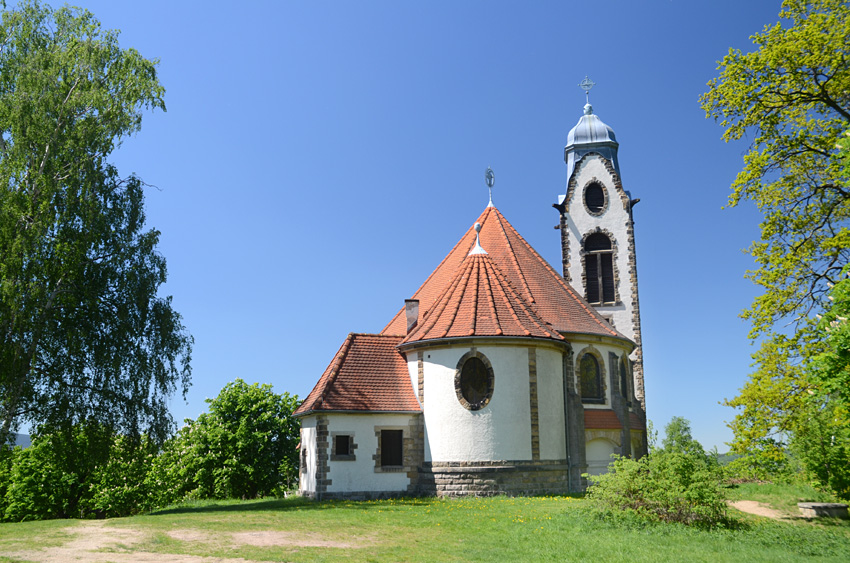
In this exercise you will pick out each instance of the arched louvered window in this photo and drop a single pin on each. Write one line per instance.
(594, 197)
(590, 378)
(599, 269)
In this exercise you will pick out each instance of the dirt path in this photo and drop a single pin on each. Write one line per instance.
(96, 542)
(758, 508)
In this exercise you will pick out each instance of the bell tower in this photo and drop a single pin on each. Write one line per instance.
(597, 233)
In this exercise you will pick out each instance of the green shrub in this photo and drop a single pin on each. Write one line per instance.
(665, 486)
(79, 472)
(120, 486)
(243, 448)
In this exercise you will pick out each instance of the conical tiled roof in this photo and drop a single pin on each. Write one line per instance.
(532, 279)
(480, 301)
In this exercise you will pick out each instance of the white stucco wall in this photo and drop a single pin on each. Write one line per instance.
(502, 429)
(614, 220)
(360, 474)
(550, 403)
(307, 482)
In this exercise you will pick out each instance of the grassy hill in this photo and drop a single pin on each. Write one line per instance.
(487, 529)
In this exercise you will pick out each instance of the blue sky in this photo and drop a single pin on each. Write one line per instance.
(318, 160)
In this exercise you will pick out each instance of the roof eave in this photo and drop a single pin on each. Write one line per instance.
(355, 411)
(449, 340)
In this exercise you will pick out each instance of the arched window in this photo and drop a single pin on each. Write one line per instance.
(590, 378)
(594, 198)
(599, 269)
(624, 377)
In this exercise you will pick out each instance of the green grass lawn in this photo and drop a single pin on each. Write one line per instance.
(486, 529)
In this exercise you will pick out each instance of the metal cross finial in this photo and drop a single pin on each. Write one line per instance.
(586, 85)
(490, 179)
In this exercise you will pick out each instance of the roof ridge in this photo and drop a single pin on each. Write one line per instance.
(339, 358)
(316, 396)
(376, 334)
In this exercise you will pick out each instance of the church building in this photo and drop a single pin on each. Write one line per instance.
(499, 375)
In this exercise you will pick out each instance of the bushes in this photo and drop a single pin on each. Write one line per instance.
(83, 471)
(244, 447)
(678, 483)
(665, 486)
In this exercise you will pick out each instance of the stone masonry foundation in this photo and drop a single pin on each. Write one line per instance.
(519, 478)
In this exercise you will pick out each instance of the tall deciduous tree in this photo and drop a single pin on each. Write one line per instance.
(678, 438)
(791, 97)
(83, 332)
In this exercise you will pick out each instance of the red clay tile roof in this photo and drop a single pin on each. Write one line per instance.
(598, 419)
(534, 280)
(480, 301)
(368, 373)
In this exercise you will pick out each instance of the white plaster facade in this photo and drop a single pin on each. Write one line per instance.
(309, 465)
(361, 473)
(614, 221)
(502, 430)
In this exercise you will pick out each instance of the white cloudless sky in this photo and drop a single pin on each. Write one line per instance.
(318, 160)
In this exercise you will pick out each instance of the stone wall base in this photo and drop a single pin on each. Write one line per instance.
(519, 478)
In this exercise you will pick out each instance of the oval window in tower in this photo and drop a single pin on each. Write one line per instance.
(474, 381)
(594, 198)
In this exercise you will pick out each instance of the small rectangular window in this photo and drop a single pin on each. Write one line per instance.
(391, 448)
(343, 445)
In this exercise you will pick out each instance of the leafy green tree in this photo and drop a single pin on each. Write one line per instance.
(244, 447)
(84, 335)
(678, 438)
(791, 97)
(831, 368)
(822, 444)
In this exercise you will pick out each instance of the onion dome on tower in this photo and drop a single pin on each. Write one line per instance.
(590, 135)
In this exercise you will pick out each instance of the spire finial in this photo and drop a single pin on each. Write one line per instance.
(586, 85)
(490, 179)
(477, 249)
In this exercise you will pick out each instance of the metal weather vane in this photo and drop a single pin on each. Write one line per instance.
(586, 85)
(490, 179)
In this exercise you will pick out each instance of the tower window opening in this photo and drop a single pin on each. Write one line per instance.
(594, 197)
(599, 269)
